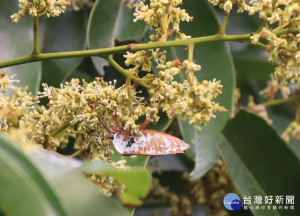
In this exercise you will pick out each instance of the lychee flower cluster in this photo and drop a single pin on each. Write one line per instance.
(165, 16)
(40, 7)
(91, 112)
(81, 106)
(191, 99)
(78, 5)
(293, 130)
(272, 88)
(278, 16)
(108, 184)
(284, 51)
(272, 11)
(13, 108)
(226, 5)
(275, 11)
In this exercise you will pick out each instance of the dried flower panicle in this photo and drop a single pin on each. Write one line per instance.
(40, 7)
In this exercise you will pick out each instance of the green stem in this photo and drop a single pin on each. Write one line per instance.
(222, 30)
(75, 153)
(281, 101)
(126, 73)
(36, 49)
(261, 27)
(191, 47)
(61, 129)
(131, 47)
(130, 95)
(261, 45)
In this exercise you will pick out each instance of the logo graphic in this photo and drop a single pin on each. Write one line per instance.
(232, 202)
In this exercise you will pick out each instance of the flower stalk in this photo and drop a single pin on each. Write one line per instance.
(222, 30)
(36, 49)
(281, 101)
(126, 73)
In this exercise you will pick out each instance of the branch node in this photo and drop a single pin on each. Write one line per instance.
(131, 46)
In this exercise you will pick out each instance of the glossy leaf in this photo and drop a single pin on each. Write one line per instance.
(111, 20)
(249, 60)
(24, 185)
(252, 62)
(81, 197)
(16, 39)
(64, 33)
(78, 194)
(281, 123)
(258, 160)
(241, 23)
(137, 181)
(216, 62)
(131, 161)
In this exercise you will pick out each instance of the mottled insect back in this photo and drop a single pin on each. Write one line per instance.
(149, 143)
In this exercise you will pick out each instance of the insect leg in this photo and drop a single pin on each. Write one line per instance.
(146, 122)
(117, 123)
(126, 136)
(102, 121)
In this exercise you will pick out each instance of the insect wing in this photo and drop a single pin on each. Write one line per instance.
(150, 143)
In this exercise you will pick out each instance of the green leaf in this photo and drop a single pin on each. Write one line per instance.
(216, 62)
(18, 188)
(64, 33)
(241, 23)
(131, 161)
(78, 194)
(111, 20)
(259, 161)
(137, 181)
(16, 39)
(281, 122)
(249, 60)
(21, 183)
(81, 197)
(253, 63)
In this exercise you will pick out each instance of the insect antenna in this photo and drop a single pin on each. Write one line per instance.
(103, 122)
